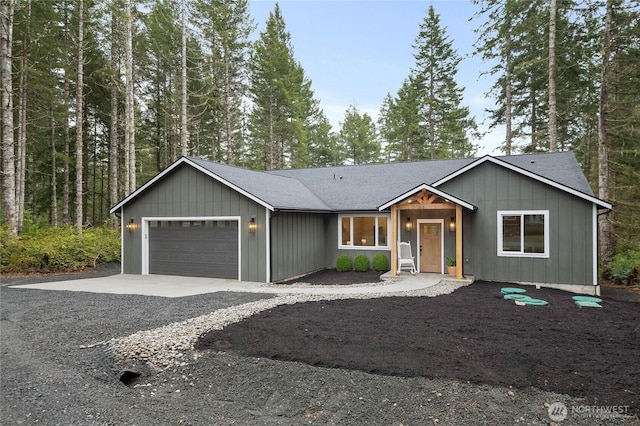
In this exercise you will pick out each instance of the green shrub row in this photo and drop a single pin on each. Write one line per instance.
(57, 248)
(624, 268)
(361, 263)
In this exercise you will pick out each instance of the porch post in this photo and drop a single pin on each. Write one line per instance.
(458, 242)
(394, 242)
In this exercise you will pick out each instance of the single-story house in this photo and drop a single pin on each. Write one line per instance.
(528, 219)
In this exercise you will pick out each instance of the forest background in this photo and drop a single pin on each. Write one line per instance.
(98, 96)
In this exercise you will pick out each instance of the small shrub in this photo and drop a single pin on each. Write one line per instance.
(624, 268)
(380, 262)
(361, 263)
(343, 264)
(451, 261)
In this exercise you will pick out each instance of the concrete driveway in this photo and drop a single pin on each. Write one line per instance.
(175, 286)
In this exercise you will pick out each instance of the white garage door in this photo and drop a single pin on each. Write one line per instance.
(195, 248)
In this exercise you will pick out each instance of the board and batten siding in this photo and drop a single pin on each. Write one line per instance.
(492, 188)
(297, 244)
(187, 192)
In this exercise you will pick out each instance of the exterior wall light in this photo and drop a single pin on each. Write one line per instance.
(252, 225)
(408, 225)
(131, 226)
(452, 224)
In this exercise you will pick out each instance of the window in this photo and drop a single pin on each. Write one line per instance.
(523, 233)
(363, 232)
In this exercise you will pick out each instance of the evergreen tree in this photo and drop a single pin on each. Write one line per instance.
(358, 137)
(284, 109)
(225, 27)
(324, 148)
(161, 43)
(400, 124)
(517, 38)
(447, 124)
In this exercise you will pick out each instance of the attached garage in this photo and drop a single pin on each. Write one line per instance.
(197, 247)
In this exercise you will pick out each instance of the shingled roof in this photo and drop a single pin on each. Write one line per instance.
(367, 187)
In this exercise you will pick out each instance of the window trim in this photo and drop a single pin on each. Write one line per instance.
(522, 213)
(377, 237)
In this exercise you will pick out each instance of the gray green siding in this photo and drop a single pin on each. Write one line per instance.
(297, 244)
(187, 192)
(492, 188)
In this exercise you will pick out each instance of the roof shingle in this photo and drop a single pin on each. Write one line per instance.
(365, 187)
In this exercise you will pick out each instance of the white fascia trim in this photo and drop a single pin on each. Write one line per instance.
(198, 167)
(431, 189)
(599, 202)
(145, 236)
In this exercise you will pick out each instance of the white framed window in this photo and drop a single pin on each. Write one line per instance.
(523, 233)
(363, 231)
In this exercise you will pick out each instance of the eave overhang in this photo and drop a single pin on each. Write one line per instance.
(431, 189)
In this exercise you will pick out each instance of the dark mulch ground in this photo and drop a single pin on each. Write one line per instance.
(470, 335)
(333, 277)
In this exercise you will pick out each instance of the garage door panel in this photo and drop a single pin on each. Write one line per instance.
(194, 248)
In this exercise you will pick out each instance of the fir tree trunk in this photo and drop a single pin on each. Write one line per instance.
(54, 173)
(553, 115)
(227, 105)
(79, 120)
(21, 163)
(66, 190)
(130, 142)
(508, 102)
(184, 133)
(113, 131)
(21, 171)
(271, 138)
(606, 243)
(8, 153)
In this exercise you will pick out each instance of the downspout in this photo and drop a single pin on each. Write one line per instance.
(268, 244)
(594, 243)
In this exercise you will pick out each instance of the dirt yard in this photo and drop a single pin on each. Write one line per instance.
(470, 335)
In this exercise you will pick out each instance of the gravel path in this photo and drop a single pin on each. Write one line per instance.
(54, 374)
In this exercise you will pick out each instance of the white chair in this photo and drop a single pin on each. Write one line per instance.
(405, 259)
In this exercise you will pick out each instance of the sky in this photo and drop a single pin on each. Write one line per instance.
(356, 52)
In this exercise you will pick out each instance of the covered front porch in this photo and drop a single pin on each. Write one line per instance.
(432, 222)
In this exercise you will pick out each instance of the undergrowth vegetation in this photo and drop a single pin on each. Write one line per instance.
(44, 248)
(624, 268)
